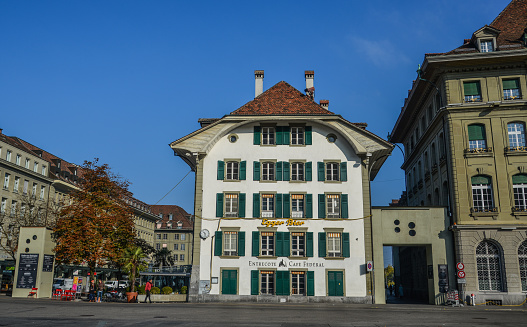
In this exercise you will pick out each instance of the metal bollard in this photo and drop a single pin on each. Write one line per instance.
(472, 299)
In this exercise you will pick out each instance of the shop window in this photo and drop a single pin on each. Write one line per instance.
(488, 261)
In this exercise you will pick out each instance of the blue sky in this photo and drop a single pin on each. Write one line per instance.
(120, 80)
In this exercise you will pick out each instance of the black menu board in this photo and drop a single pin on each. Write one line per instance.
(27, 270)
(48, 263)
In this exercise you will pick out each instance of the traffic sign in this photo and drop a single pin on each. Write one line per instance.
(461, 274)
(460, 266)
(462, 281)
(369, 266)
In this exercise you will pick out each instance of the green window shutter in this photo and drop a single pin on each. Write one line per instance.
(279, 135)
(511, 84)
(309, 244)
(254, 282)
(476, 132)
(282, 282)
(519, 179)
(309, 205)
(278, 283)
(278, 167)
(321, 206)
(218, 249)
(256, 171)
(286, 170)
(241, 205)
(308, 136)
(480, 180)
(241, 244)
(344, 206)
(221, 170)
(219, 205)
(225, 282)
(321, 175)
(279, 244)
(308, 168)
(256, 205)
(243, 170)
(346, 245)
(471, 88)
(278, 206)
(322, 244)
(286, 206)
(256, 244)
(233, 281)
(343, 171)
(310, 283)
(257, 132)
(285, 136)
(286, 247)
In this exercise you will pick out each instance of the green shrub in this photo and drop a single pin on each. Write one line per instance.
(166, 290)
(140, 289)
(183, 290)
(155, 290)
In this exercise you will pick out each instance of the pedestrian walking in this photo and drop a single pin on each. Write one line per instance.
(100, 289)
(391, 290)
(91, 293)
(401, 294)
(148, 287)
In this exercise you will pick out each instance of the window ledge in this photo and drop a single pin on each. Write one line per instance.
(229, 256)
(477, 215)
(261, 181)
(334, 258)
(333, 182)
(232, 180)
(290, 181)
(297, 258)
(267, 257)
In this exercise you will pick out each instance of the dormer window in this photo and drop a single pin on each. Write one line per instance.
(486, 45)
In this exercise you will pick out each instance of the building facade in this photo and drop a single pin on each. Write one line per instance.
(463, 130)
(282, 204)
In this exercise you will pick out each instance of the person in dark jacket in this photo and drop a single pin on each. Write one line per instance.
(148, 287)
(91, 294)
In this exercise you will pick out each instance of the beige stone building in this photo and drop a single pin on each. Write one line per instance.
(463, 130)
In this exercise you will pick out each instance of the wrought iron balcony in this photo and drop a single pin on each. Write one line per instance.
(515, 149)
(478, 150)
(480, 210)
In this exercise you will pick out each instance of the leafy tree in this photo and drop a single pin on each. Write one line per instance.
(163, 258)
(133, 260)
(97, 225)
(389, 275)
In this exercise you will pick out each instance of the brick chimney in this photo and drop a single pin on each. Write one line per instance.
(310, 88)
(258, 82)
(324, 104)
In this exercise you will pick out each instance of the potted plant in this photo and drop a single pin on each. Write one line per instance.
(133, 263)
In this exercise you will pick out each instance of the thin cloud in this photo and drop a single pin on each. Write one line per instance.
(380, 53)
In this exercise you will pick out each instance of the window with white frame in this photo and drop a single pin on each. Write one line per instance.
(44, 170)
(158, 246)
(230, 243)
(267, 205)
(27, 163)
(176, 247)
(34, 190)
(8, 155)
(3, 206)
(516, 133)
(482, 194)
(472, 91)
(334, 244)
(519, 184)
(297, 171)
(268, 173)
(183, 237)
(297, 206)
(181, 257)
(165, 236)
(42, 192)
(268, 135)
(522, 258)
(26, 187)
(486, 46)
(298, 283)
(182, 247)
(298, 244)
(332, 171)
(231, 205)
(333, 205)
(35, 167)
(476, 137)
(17, 184)
(13, 208)
(511, 89)
(267, 244)
(232, 170)
(176, 236)
(158, 236)
(267, 282)
(6, 181)
(17, 160)
(488, 261)
(297, 135)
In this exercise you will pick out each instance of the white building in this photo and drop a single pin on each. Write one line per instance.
(282, 200)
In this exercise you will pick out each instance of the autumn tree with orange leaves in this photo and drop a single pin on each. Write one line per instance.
(97, 225)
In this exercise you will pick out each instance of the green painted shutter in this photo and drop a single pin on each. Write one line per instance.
(286, 206)
(243, 170)
(471, 88)
(309, 244)
(339, 283)
(225, 282)
(221, 170)
(308, 136)
(256, 244)
(320, 170)
(331, 283)
(285, 136)
(322, 244)
(321, 206)
(343, 171)
(278, 166)
(485, 180)
(344, 206)
(278, 206)
(286, 246)
(257, 132)
(241, 244)
(256, 171)
(476, 132)
(308, 167)
(279, 135)
(282, 282)
(310, 283)
(241, 205)
(279, 244)
(254, 282)
(511, 84)
(309, 205)
(219, 205)
(346, 245)
(233, 281)
(256, 205)
(519, 179)
(218, 249)
(285, 175)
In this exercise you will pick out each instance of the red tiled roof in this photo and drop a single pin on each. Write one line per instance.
(178, 214)
(281, 99)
